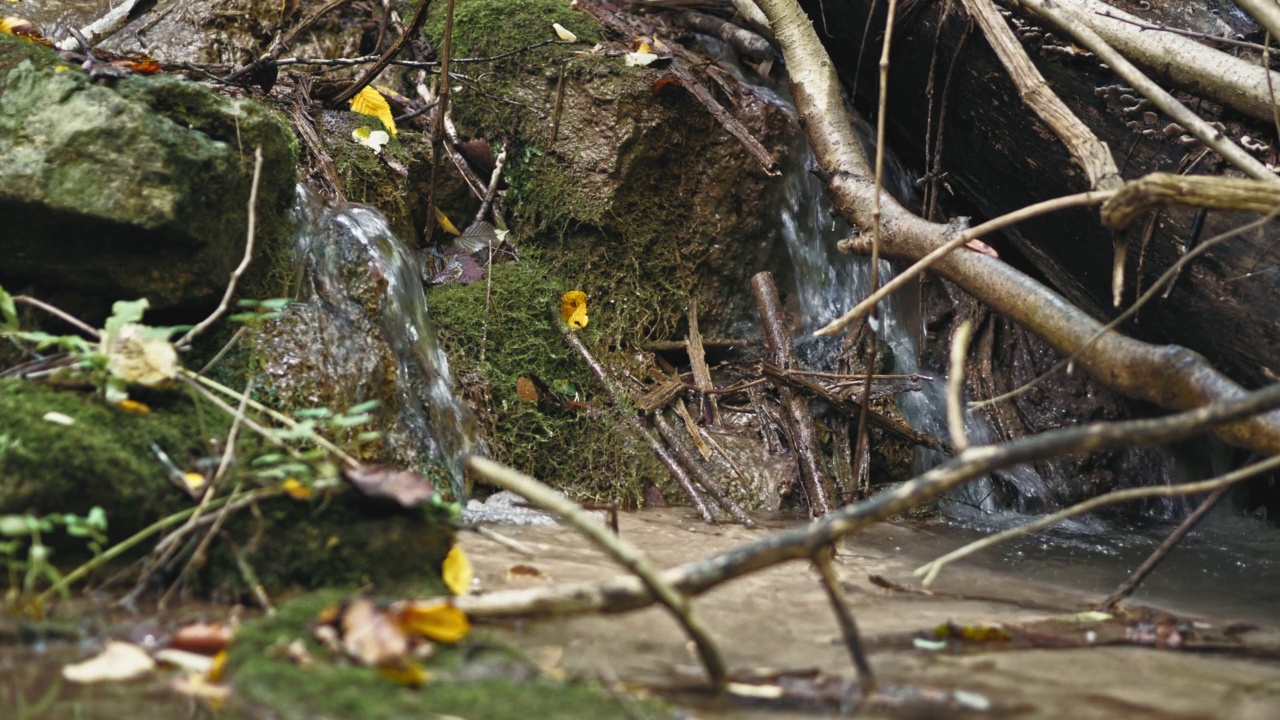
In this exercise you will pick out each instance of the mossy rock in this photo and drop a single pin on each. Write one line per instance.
(106, 459)
(590, 452)
(131, 188)
(479, 679)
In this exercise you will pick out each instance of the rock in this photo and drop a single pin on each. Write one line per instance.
(136, 188)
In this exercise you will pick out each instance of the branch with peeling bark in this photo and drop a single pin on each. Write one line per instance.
(1169, 376)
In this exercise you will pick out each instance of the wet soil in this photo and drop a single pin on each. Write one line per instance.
(780, 619)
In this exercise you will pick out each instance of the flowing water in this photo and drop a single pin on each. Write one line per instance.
(350, 263)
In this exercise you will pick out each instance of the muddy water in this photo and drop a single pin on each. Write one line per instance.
(780, 619)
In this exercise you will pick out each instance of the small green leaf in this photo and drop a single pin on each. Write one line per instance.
(124, 312)
(346, 421)
(317, 413)
(363, 407)
(8, 312)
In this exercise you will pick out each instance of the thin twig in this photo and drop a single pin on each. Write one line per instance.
(822, 560)
(862, 308)
(955, 386)
(244, 262)
(132, 541)
(621, 551)
(411, 31)
(60, 314)
(800, 543)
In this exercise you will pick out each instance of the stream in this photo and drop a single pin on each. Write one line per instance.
(1226, 572)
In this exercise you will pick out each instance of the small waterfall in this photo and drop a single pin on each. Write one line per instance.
(828, 283)
(361, 331)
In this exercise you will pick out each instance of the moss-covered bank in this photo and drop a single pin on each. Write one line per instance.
(480, 679)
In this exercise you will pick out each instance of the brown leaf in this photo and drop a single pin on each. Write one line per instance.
(526, 390)
(408, 489)
(203, 638)
(371, 637)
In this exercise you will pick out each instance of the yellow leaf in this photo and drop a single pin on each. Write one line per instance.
(573, 308)
(446, 224)
(370, 102)
(457, 571)
(133, 406)
(411, 675)
(194, 482)
(435, 621)
(645, 48)
(20, 27)
(219, 664)
(295, 489)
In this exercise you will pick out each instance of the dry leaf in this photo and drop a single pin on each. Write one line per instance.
(198, 686)
(288, 8)
(573, 308)
(525, 572)
(446, 224)
(564, 34)
(437, 621)
(457, 572)
(526, 390)
(370, 637)
(133, 406)
(638, 59)
(194, 482)
(119, 662)
(189, 661)
(20, 27)
(370, 102)
(205, 638)
(408, 489)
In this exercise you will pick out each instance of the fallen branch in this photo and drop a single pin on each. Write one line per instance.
(411, 31)
(109, 24)
(813, 476)
(1170, 376)
(1069, 16)
(678, 473)
(624, 594)
(620, 550)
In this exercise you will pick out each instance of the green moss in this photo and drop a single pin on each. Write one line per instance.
(481, 679)
(105, 459)
(590, 454)
(487, 28)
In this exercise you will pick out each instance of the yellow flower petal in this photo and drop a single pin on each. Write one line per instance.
(573, 308)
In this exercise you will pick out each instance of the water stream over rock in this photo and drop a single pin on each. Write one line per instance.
(361, 332)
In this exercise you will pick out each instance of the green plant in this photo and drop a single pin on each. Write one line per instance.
(26, 532)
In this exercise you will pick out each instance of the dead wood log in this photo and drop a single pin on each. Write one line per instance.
(813, 476)
(900, 430)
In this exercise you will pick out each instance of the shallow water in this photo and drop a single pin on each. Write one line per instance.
(779, 618)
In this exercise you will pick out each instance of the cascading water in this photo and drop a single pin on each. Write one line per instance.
(362, 326)
(828, 282)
